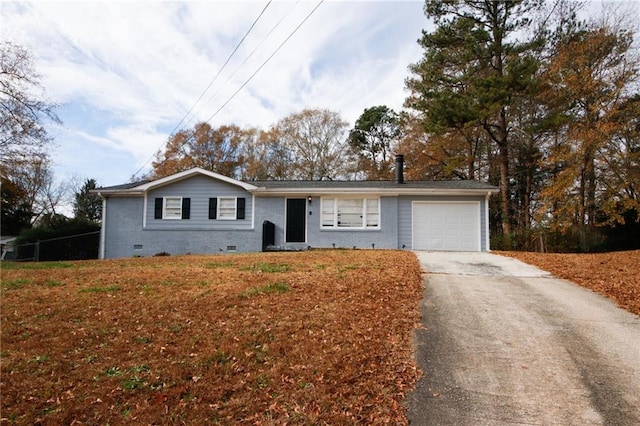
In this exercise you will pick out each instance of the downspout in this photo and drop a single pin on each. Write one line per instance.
(103, 226)
(144, 210)
(253, 211)
(486, 220)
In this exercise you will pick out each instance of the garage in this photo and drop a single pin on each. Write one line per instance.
(446, 226)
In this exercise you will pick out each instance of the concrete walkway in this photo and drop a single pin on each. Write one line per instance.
(504, 343)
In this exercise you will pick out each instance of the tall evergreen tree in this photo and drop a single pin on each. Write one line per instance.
(87, 206)
(474, 69)
(372, 139)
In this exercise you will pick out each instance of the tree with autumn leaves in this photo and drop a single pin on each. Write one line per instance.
(517, 93)
(307, 145)
(527, 97)
(216, 149)
(473, 71)
(587, 88)
(28, 190)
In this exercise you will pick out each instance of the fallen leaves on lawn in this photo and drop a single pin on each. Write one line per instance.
(615, 275)
(320, 337)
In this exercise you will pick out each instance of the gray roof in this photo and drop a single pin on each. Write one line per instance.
(316, 186)
(381, 184)
(122, 186)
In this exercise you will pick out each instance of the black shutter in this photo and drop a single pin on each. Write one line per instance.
(213, 208)
(186, 208)
(157, 213)
(240, 208)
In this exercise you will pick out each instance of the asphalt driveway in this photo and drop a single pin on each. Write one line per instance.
(506, 343)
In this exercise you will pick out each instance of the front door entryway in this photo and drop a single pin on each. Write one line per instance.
(296, 221)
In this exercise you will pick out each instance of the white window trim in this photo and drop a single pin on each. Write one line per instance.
(164, 208)
(364, 214)
(235, 208)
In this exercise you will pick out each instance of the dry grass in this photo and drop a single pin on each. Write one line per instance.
(303, 338)
(615, 275)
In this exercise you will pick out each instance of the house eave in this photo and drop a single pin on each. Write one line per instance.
(119, 193)
(190, 173)
(143, 188)
(389, 192)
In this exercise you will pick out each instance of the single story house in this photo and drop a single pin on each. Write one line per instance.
(199, 211)
(7, 247)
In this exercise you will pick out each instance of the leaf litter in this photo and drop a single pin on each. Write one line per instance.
(319, 337)
(615, 275)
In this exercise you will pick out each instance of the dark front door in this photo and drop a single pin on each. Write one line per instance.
(296, 220)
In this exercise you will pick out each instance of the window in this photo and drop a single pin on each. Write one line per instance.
(226, 208)
(373, 212)
(328, 212)
(172, 208)
(350, 213)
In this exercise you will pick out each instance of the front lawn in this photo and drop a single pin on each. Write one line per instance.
(320, 337)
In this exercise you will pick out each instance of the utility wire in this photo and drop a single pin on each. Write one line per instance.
(244, 62)
(208, 86)
(248, 80)
(264, 63)
(223, 66)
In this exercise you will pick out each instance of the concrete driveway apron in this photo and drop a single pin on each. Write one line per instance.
(504, 343)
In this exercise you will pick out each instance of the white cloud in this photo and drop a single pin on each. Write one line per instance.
(127, 72)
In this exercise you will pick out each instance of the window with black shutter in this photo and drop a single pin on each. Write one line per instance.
(240, 208)
(213, 208)
(186, 208)
(172, 208)
(157, 212)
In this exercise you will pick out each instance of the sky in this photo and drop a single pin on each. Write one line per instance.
(126, 73)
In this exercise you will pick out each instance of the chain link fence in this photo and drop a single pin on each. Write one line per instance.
(72, 247)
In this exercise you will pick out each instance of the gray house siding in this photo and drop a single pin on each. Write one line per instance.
(125, 237)
(199, 189)
(199, 242)
(273, 209)
(122, 226)
(126, 234)
(386, 237)
(405, 217)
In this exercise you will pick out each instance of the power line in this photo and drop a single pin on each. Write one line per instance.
(223, 66)
(249, 79)
(265, 62)
(209, 85)
(246, 59)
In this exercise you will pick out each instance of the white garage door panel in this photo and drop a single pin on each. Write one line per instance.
(446, 226)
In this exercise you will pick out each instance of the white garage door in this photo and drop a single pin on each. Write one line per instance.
(449, 226)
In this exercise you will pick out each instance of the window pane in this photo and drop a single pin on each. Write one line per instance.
(173, 208)
(350, 213)
(227, 208)
(327, 218)
(373, 212)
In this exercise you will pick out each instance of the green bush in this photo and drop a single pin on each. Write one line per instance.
(59, 239)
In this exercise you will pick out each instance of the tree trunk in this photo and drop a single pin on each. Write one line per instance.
(526, 206)
(591, 191)
(504, 188)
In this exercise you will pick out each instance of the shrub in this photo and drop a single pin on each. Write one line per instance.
(62, 239)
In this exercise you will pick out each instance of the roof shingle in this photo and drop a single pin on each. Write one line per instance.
(333, 184)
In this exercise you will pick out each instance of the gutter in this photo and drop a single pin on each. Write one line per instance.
(377, 191)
